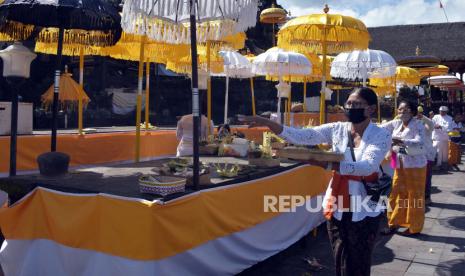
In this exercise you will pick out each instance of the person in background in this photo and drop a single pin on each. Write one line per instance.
(442, 125)
(430, 152)
(431, 115)
(457, 126)
(406, 201)
(455, 152)
(352, 231)
(224, 131)
(184, 133)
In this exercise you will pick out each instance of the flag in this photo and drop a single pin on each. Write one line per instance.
(440, 5)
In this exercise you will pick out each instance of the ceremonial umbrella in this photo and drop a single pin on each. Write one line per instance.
(444, 81)
(127, 48)
(83, 22)
(362, 65)
(315, 76)
(70, 93)
(235, 66)
(323, 34)
(164, 21)
(278, 63)
(404, 76)
(438, 70)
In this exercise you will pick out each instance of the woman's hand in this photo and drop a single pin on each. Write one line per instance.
(257, 121)
(253, 121)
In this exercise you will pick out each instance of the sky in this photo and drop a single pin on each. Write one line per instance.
(383, 12)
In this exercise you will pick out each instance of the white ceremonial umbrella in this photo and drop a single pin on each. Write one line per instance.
(277, 62)
(175, 21)
(235, 66)
(363, 65)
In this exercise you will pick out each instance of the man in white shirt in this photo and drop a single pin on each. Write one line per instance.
(442, 125)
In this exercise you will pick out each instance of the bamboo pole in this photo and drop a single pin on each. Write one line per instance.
(147, 94)
(81, 84)
(254, 112)
(209, 87)
(139, 96)
(323, 79)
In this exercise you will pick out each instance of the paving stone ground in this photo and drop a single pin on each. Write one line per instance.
(438, 250)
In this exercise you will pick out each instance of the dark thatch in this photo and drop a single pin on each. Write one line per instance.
(443, 40)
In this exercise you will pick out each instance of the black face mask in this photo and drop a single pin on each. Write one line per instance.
(355, 115)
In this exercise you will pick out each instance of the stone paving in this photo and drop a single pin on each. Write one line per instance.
(438, 250)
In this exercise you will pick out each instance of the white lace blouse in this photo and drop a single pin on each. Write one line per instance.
(412, 136)
(374, 145)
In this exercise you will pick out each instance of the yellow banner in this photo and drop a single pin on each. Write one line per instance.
(143, 230)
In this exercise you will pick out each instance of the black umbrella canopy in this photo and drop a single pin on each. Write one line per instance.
(83, 22)
(78, 17)
(67, 14)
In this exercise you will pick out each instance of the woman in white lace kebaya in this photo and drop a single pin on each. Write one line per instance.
(407, 199)
(352, 227)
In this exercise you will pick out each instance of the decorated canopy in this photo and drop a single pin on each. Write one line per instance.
(168, 20)
(277, 62)
(70, 91)
(438, 70)
(362, 65)
(344, 33)
(88, 22)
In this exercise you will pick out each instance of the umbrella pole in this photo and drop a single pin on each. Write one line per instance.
(195, 94)
(254, 113)
(395, 97)
(81, 84)
(139, 96)
(147, 94)
(323, 80)
(289, 107)
(209, 88)
(13, 129)
(226, 98)
(56, 90)
(305, 97)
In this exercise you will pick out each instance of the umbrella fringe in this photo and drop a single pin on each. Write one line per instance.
(64, 105)
(339, 39)
(79, 37)
(72, 50)
(12, 31)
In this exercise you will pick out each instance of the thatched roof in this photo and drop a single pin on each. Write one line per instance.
(445, 40)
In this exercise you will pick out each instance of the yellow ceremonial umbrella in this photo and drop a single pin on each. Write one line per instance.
(75, 43)
(70, 93)
(323, 34)
(404, 75)
(433, 71)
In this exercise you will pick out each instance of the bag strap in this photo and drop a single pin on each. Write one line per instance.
(351, 146)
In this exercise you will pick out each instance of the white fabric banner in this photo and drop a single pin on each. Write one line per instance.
(224, 256)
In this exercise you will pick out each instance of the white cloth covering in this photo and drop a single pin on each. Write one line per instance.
(226, 255)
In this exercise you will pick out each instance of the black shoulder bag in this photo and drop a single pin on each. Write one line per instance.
(380, 188)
